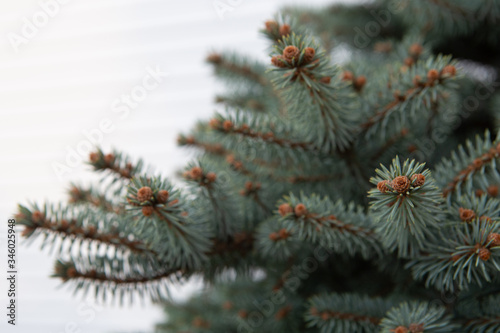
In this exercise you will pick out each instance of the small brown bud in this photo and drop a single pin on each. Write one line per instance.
(278, 61)
(211, 177)
(144, 193)
(494, 238)
(485, 218)
(272, 26)
(325, 80)
(449, 70)
(285, 30)
(273, 236)
(309, 54)
(227, 125)
(243, 314)
(71, 272)
(94, 157)
(415, 49)
(37, 216)
(400, 329)
(479, 193)
(325, 315)
(300, 210)
(409, 62)
(477, 163)
(214, 123)
(214, 58)
(248, 185)
(147, 210)
(227, 305)
(109, 159)
(416, 328)
(432, 75)
(162, 196)
(283, 233)
(359, 82)
(466, 215)
(291, 53)
(382, 186)
(282, 313)
(347, 76)
(418, 179)
(196, 173)
(285, 209)
(401, 184)
(492, 190)
(417, 80)
(484, 254)
(383, 47)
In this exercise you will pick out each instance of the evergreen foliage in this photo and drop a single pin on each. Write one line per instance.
(328, 194)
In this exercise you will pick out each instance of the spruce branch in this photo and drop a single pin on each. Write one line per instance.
(407, 206)
(339, 313)
(162, 217)
(466, 254)
(80, 229)
(417, 317)
(313, 93)
(93, 197)
(342, 228)
(116, 164)
(470, 165)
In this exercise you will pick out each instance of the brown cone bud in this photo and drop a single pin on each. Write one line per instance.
(278, 61)
(272, 26)
(484, 254)
(147, 210)
(415, 49)
(285, 30)
(432, 75)
(211, 177)
(325, 80)
(94, 157)
(347, 76)
(144, 193)
(274, 236)
(37, 216)
(162, 196)
(449, 70)
(382, 186)
(214, 123)
(492, 190)
(283, 234)
(300, 210)
(466, 215)
(227, 125)
(290, 53)
(214, 58)
(400, 329)
(309, 53)
(285, 209)
(494, 238)
(227, 305)
(418, 179)
(401, 184)
(71, 272)
(109, 159)
(196, 173)
(416, 328)
(359, 82)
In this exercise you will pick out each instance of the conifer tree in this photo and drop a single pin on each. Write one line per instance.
(350, 185)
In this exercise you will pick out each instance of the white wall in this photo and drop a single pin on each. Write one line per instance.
(64, 79)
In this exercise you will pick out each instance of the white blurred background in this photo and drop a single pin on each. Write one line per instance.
(62, 78)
